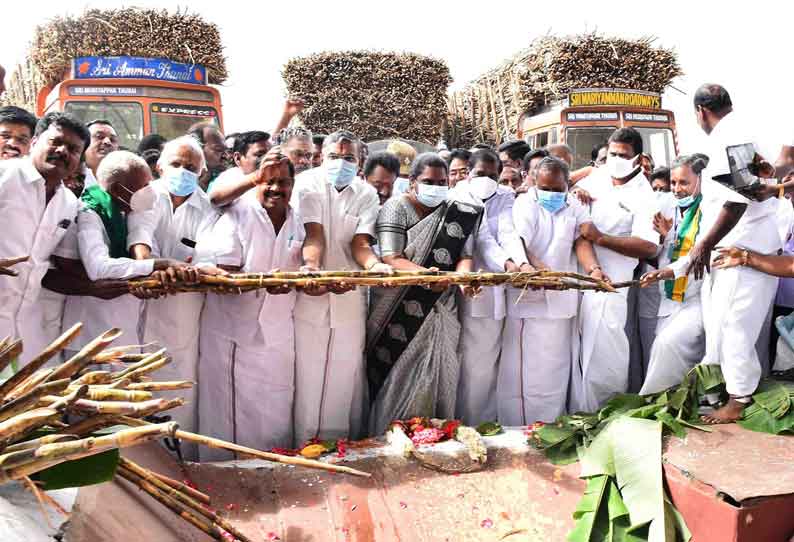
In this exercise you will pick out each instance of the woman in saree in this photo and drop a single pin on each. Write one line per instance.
(413, 331)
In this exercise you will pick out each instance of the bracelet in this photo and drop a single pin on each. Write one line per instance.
(745, 256)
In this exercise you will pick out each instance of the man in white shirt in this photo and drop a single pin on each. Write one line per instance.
(38, 210)
(249, 147)
(537, 350)
(736, 300)
(181, 215)
(497, 249)
(247, 369)
(622, 232)
(100, 243)
(339, 211)
(296, 144)
(104, 140)
(680, 335)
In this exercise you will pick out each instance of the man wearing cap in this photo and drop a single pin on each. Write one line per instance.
(405, 153)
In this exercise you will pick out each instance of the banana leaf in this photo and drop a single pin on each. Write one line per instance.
(671, 423)
(757, 418)
(94, 469)
(586, 515)
(774, 396)
(709, 378)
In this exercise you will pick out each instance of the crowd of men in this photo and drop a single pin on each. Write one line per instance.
(279, 367)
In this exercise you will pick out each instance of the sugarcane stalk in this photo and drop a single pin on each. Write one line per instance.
(28, 400)
(29, 462)
(111, 394)
(84, 357)
(146, 360)
(95, 378)
(23, 424)
(62, 403)
(38, 362)
(30, 383)
(89, 425)
(141, 409)
(36, 442)
(198, 521)
(150, 368)
(179, 486)
(183, 498)
(161, 386)
(268, 456)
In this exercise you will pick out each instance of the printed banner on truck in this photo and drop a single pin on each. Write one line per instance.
(628, 98)
(130, 67)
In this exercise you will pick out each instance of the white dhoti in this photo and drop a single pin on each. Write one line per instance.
(173, 323)
(329, 381)
(246, 392)
(603, 368)
(735, 303)
(679, 346)
(480, 344)
(534, 370)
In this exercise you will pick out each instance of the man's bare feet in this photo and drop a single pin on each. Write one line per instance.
(728, 413)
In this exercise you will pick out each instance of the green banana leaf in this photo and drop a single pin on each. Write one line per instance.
(489, 429)
(94, 469)
(757, 418)
(774, 396)
(587, 511)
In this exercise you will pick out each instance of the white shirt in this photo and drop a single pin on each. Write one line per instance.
(496, 242)
(245, 237)
(92, 244)
(343, 214)
(34, 228)
(756, 229)
(550, 237)
(230, 176)
(622, 211)
(89, 180)
(162, 229)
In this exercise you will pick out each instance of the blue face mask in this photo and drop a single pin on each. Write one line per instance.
(181, 182)
(431, 195)
(340, 172)
(685, 202)
(551, 201)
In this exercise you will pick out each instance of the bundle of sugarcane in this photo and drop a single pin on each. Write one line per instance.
(246, 282)
(97, 395)
(489, 108)
(181, 36)
(376, 95)
(6, 264)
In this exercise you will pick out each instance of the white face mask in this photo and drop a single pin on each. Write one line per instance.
(482, 187)
(143, 199)
(430, 195)
(620, 168)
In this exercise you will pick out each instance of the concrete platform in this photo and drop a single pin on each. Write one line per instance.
(730, 485)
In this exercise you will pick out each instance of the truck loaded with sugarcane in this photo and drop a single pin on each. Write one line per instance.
(145, 71)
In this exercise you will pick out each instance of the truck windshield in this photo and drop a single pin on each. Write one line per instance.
(658, 142)
(126, 118)
(173, 120)
(583, 140)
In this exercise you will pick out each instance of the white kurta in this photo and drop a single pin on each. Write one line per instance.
(247, 347)
(623, 211)
(330, 329)
(173, 321)
(482, 317)
(92, 244)
(736, 301)
(680, 334)
(535, 367)
(35, 228)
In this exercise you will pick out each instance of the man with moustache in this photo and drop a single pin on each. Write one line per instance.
(247, 366)
(34, 200)
(16, 132)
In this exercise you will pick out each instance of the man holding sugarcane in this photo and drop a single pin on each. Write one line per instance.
(38, 210)
(339, 211)
(247, 370)
(96, 251)
(498, 249)
(181, 215)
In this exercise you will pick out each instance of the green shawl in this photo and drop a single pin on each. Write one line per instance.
(102, 203)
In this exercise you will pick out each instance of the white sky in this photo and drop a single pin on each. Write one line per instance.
(745, 47)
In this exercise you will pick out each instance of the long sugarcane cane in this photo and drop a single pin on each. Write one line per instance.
(28, 400)
(268, 456)
(242, 283)
(85, 356)
(9, 351)
(179, 486)
(188, 501)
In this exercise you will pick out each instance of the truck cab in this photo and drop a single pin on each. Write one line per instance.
(139, 96)
(587, 117)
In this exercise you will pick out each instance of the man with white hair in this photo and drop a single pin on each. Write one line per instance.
(181, 215)
(100, 243)
(338, 210)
